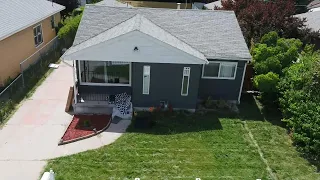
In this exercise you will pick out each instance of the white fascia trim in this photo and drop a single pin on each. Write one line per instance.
(225, 78)
(31, 24)
(229, 58)
(243, 75)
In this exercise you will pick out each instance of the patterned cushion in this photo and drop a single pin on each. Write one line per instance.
(122, 102)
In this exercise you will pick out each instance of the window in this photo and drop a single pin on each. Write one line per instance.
(146, 80)
(219, 70)
(185, 81)
(105, 73)
(52, 22)
(37, 33)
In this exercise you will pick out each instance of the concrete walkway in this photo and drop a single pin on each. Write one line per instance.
(32, 134)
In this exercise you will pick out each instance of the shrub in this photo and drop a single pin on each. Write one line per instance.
(68, 32)
(266, 82)
(300, 102)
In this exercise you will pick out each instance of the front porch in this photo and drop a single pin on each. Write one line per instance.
(98, 83)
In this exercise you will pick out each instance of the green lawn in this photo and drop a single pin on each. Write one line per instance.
(186, 146)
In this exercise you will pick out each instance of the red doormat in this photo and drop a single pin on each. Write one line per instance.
(84, 126)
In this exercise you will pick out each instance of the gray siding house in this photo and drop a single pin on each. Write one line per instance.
(157, 55)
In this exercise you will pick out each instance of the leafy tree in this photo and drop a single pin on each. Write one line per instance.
(270, 57)
(300, 102)
(257, 18)
(69, 4)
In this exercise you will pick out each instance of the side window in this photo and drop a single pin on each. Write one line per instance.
(37, 33)
(146, 80)
(185, 81)
(219, 70)
(52, 22)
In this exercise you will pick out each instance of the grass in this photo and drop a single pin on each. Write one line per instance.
(186, 146)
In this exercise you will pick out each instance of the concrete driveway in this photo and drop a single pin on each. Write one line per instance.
(31, 136)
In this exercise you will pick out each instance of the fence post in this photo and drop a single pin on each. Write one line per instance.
(21, 70)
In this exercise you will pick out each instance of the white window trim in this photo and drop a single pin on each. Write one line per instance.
(221, 62)
(143, 84)
(103, 84)
(41, 35)
(188, 75)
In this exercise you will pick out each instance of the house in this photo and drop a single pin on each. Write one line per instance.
(166, 56)
(313, 22)
(113, 3)
(212, 5)
(26, 26)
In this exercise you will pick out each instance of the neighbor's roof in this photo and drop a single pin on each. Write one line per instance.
(216, 34)
(16, 15)
(113, 3)
(212, 5)
(314, 4)
(313, 19)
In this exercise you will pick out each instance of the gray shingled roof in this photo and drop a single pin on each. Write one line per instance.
(142, 24)
(216, 34)
(15, 15)
(313, 19)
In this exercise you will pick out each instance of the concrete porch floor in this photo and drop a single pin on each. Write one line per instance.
(32, 134)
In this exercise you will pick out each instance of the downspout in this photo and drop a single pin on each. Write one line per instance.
(243, 75)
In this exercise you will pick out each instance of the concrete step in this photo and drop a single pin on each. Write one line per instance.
(92, 110)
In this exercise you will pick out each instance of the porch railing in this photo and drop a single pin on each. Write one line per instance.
(85, 97)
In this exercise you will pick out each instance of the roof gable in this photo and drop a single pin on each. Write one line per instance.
(216, 34)
(142, 24)
(134, 46)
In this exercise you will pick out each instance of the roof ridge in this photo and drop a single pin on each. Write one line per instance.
(141, 17)
(173, 35)
(168, 9)
(101, 31)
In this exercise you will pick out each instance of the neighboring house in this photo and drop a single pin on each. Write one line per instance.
(154, 55)
(212, 5)
(313, 22)
(314, 6)
(113, 3)
(198, 5)
(26, 26)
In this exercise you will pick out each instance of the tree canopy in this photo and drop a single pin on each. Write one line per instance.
(257, 18)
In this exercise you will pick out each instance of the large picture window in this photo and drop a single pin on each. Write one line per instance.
(219, 70)
(37, 33)
(105, 73)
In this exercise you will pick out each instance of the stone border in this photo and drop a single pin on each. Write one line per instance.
(84, 137)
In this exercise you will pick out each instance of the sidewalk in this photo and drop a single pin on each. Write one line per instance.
(32, 134)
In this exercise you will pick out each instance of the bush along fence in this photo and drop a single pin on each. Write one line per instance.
(32, 70)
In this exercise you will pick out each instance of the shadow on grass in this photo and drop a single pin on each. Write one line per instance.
(178, 122)
(251, 110)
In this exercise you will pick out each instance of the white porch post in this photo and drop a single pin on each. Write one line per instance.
(74, 82)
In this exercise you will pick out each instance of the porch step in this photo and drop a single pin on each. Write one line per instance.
(93, 109)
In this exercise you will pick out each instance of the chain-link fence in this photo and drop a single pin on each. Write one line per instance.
(32, 69)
